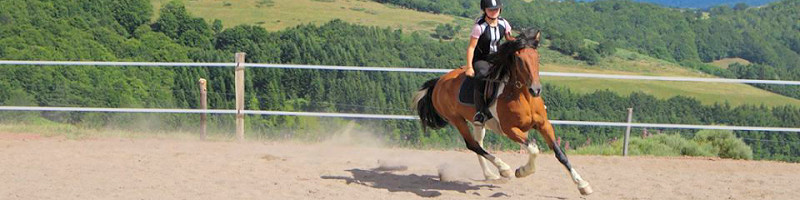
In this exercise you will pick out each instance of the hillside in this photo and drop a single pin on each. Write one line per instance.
(685, 36)
(725, 62)
(624, 62)
(629, 63)
(703, 4)
(276, 15)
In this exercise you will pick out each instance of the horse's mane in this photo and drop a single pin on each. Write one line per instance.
(504, 59)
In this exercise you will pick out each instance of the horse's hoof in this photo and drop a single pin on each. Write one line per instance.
(519, 174)
(585, 188)
(505, 173)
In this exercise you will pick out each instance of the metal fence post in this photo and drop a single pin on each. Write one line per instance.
(627, 133)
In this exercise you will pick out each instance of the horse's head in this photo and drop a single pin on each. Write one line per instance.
(528, 61)
(519, 61)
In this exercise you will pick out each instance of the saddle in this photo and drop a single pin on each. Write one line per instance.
(467, 91)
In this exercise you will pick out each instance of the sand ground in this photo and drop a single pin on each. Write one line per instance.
(34, 167)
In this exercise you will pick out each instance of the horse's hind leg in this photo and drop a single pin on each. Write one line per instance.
(474, 146)
(546, 129)
(478, 133)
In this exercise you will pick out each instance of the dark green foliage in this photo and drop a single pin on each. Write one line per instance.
(607, 48)
(589, 54)
(446, 31)
(217, 26)
(567, 43)
(175, 22)
(132, 13)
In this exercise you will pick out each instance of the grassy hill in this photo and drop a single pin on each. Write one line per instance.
(279, 14)
(724, 63)
(629, 63)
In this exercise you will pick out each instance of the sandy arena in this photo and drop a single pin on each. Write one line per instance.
(34, 167)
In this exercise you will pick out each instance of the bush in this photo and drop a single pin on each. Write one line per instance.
(17, 97)
(724, 142)
(684, 146)
(714, 143)
(589, 54)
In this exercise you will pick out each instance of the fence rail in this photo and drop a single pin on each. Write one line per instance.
(239, 66)
(377, 116)
(390, 69)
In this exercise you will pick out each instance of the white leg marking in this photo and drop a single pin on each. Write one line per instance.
(502, 166)
(478, 133)
(577, 178)
(530, 167)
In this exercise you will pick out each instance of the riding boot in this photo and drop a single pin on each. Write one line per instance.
(480, 102)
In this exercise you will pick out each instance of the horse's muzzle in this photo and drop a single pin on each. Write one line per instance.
(535, 91)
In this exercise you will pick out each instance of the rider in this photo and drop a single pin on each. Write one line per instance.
(487, 32)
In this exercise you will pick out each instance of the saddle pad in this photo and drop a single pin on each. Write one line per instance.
(466, 91)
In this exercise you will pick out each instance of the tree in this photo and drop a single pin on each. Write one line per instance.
(175, 21)
(132, 13)
(568, 43)
(740, 6)
(445, 31)
(589, 54)
(607, 48)
(217, 26)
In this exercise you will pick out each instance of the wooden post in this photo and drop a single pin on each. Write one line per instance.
(203, 106)
(627, 133)
(239, 85)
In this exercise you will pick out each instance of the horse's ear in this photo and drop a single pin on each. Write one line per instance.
(536, 38)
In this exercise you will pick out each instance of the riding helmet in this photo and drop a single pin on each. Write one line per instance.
(491, 4)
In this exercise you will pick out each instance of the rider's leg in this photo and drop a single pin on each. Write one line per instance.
(481, 68)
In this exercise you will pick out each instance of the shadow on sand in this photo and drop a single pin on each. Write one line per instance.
(424, 186)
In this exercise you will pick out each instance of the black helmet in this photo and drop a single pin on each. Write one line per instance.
(491, 4)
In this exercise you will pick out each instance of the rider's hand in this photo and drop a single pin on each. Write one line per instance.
(470, 72)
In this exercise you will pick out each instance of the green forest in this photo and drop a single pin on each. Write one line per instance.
(126, 30)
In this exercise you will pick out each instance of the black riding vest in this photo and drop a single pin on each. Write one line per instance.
(489, 39)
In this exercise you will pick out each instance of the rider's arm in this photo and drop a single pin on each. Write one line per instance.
(473, 43)
(508, 32)
(509, 37)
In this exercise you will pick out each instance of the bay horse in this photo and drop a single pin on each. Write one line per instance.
(519, 107)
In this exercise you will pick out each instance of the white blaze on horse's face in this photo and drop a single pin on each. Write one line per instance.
(529, 59)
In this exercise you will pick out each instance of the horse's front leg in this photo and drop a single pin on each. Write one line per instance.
(546, 130)
(521, 137)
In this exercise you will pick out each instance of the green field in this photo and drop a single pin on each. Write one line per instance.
(280, 14)
(629, 63)
(723, 63)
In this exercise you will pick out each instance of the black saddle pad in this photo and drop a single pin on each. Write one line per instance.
(466, 93)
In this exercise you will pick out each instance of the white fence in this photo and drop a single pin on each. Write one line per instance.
(376, 116)
(389, 69)
(384, 69)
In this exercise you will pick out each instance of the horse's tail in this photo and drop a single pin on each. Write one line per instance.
(423, 103)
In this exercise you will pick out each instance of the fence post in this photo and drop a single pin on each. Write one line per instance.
(239, 85)
(203, 106)
(627, 133)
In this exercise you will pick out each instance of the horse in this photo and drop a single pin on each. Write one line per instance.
(518, 107)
